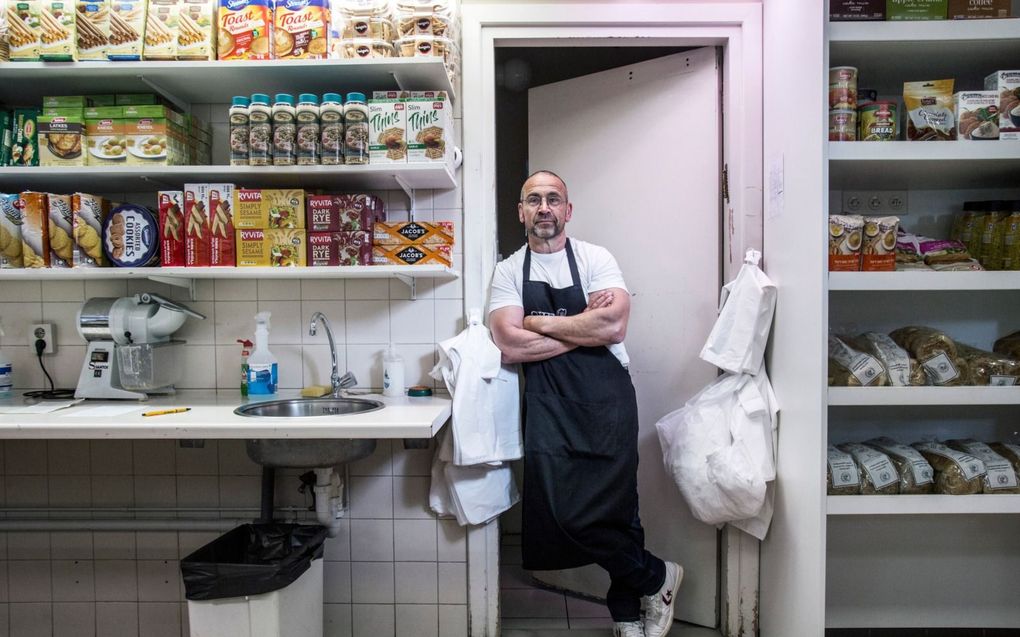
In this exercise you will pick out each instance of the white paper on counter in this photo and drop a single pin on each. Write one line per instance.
(44, 407)
(102, 411)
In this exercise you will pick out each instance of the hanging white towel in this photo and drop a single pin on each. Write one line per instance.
(473, 494)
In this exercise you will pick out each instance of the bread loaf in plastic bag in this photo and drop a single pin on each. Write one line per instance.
(878, 473)
(849, 367)
(935, 351)
(1000, 476)
(842, 477)
(917, 477)
(956, 472)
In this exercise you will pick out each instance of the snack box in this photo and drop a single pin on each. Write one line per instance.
(147, 130)
(35, 229)
(429, 130)
(1007, 85)
(977, 9)
(977, 115)
(387, 143)
(61, 230)
(66, 101)
(418, 233)
(261, 208)
(244, 27)
(300, 29)
(171, 228)
(161, 30)
(339, 248)
(10, 232)
(24, 29)
(25, 150)
(131, 237)
(916, 9)
(59, 32)
(93, 29)
(6, 137)
(196, 30)
(436, 254)
(207, 214)
(127, 30)
(137, 99)
(271, 247)
(62, 140)
(349, 212)
(219, 199)
(106, 140)
(88, 213)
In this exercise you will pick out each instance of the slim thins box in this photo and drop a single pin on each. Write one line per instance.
(61, 230)
(429, 130)
(387, 142)
(88, 212)
(171, 228)
(271, 248)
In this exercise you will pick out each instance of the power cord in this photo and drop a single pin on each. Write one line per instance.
(51, 393)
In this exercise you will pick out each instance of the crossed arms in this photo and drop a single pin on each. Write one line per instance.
(526, 339)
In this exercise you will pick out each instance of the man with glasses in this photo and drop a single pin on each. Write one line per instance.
(560, 307)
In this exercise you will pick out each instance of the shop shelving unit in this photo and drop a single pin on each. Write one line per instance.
(870, 539)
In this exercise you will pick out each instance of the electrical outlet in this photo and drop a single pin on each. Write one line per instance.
(43, 331)
(875, 202)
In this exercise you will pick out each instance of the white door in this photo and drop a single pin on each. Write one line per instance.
(638, 147)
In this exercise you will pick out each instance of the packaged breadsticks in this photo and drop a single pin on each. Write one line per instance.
(161, 28)
(93, 26)
(59, 38)
(24, 30)
(196, 30)
(127, 30)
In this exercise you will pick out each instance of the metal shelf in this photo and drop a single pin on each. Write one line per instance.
(871, 396)
(922, 165)
(922, 504)
(922, 281)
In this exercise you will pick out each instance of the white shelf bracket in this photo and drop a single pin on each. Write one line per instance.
(188, 284)
(409, 191)
(410, 282)
(178, 102)
(396, 80)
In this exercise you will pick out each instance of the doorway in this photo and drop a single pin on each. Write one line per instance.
(616, 123)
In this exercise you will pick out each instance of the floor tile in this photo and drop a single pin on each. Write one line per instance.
(532, 603)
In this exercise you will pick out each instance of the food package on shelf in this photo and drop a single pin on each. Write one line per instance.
(988, 368)
(1008, 345)
(24, 29)
(300, 29)
(35, 229)
(930, 110)
(933, 252)
(131, 237)
(879, 244)
(978, 115)
(846, 234)
(127, 30)
(61, 221)
(61, 140)
(263, 208)
(387, 128)
(413, 233)
(1006, 84)
(171, 223)
(244, 30)
(271, 247)
(361, 8)
(339, 248)
(1000, 476)
(93, 26)
(162, 29)
(343, 213)
(432, 46)
(104, 136)
(978, 9)
(901, 370)
(25, 146)
(936, 352)
(435, 254)
(59, 34)
(360, 48)
(956, 472)
(841, 474)
(878, 474)
(917, 477)
(1010, 451)
(852, 368)
(10, 232)
(197, 30)
(373, 28)
(429, 129)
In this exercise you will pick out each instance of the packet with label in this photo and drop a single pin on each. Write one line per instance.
(10, 232)
(930, 110)
(35, 229)
(59, 35)
(88, 212)
(196, 30)
(271, 247)
(244, 29)
(61, 232)
(127, 30)
(93, 26)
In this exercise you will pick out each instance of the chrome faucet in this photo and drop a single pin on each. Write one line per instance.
(337, 382)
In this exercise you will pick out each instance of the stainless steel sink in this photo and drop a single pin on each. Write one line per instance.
(308, 453)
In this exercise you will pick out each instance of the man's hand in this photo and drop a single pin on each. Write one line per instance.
(602, 322)
(519, 344)
(600, 299)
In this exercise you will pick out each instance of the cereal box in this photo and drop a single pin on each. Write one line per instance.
(386, 132)
(196, 30)
(1006, 84)
(332, 213)
(104, 136)
(93, 29)
(161, 28)
(413, 233)
(35, 229)
(244, 27)
(271, 248)
(59, 35)
(220, 201)
(438, 254)
(10, 232)
(61, 223)
(300, 28)
(127, 30)
(25, 150)
(339, 248)
(256, 208)
(429, 130)
(24, 29)
(61, 138)
(88, 212)
(977, 115)
(171, 228)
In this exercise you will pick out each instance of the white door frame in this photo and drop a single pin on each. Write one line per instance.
(737, 29)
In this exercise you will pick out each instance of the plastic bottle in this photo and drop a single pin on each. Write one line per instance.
(308, 130)
(246, 346)
(331, 130)
(262, 371)
(356, 129)
(260, 131)
(239, 131)
(6, 371)
(284, 130)
(393, 372)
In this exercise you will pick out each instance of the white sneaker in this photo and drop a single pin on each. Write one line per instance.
(628, 629)
(659, 607)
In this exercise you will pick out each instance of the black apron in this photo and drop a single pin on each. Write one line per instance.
(580, 444)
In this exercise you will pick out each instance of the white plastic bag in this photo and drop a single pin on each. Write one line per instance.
(737, 341)
(473, 494)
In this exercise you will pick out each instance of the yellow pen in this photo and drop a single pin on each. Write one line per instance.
(163, 412)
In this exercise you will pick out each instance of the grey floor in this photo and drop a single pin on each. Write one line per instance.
(527, 610)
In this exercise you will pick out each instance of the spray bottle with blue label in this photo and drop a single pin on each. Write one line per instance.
(262, 372)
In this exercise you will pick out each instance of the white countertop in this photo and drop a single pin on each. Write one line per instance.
(212, 416)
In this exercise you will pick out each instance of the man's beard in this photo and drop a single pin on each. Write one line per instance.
(546, 232)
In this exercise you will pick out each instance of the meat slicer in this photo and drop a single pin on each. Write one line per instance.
(130, 353)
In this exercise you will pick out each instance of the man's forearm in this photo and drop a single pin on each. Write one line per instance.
(589, 329)
(525, 346)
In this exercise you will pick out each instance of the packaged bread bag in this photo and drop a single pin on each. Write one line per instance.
(1008, 345)
(956, 472)
(878, 475)
(930, 110)
(1000, 476)
(846, 235)
(879, 244)
(901, 370)
(936, 352)
(841, 474)
(1009, 451)
(988, 368)
(915, 473)
(851, 368)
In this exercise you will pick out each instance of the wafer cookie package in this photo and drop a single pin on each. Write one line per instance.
(59, 36)
(24, 29)
(93, 26)
(127, 30)
(161, 30)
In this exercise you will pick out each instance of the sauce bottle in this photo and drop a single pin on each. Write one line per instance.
(356, 129)
(308, 130)
(260, 131)
(284, 130)
(331, 130)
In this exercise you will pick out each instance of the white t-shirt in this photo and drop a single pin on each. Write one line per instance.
(596, 268)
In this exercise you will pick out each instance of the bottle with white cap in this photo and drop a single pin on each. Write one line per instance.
(262, 371)
(393, 372)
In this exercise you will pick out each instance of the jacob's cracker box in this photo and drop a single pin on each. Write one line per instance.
(10, 232)
(437, 254)
(413, 233)
(88, 212)
(244, 29)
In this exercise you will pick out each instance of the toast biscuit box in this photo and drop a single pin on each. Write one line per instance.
(436, 254)
(88, 213)
(93, 29)
(244, 30)
(348, 212)
(171, 228)
(10, 232)
(270, 247)
(339, 248)
(263, 208)
(61, 230)
(300, 29)
(35, 229)
(59, 32)
(413, 233)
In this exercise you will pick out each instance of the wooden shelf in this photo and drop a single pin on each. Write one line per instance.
(25, 83)
(880, 396)
(143, 178)
(922, 504)
(922, 165)
(922, 281)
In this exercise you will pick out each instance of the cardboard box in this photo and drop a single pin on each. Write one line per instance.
(161, 30)
(88, 212)
(339, 248)
(25, 150)
(35, 229)
(24, 30)
(137, 99)
(334, 213)
(977, 115)
(1006, 84)
(843, 10)
(390, 95)
(59, 31)
(10, 232)
(6, 137)
(127, 30)
(62, 140)
(271, 248)
(437, 254)
(148, 136)
(418, 233)
(196, 225)
(429, 130)
(916, 9)
(196, 35)
(387, 143)
(93, 29)
(105, 136)
(171, 228)
(978, 9)
(244, 29)
(300, 29)
(260, 208)
(220, 202)
(61, 229)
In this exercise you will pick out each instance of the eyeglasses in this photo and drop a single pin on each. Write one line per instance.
(552, 200)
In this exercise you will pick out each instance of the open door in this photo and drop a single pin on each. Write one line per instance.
(639, 148)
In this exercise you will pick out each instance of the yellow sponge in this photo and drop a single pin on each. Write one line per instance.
(315, 391)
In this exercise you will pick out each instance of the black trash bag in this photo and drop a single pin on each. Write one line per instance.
(252, 559)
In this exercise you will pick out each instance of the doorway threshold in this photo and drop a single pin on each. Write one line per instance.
(680, 630)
